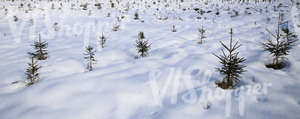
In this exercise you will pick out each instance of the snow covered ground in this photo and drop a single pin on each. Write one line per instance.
(176, 80)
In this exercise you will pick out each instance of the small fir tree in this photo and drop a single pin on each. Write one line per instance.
(15, 18)
(232, 66)
(136, 16)
(102, 40)
(55, 26)
(174, 29)
(41, 49)
(141, 35)
(281, 47)
(112, 5)
(32, 74)
(90, 57)
(201, 35)
(143, 46)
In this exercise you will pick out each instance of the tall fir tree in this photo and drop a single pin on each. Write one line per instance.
(284, 41)
(41, 52)
(90, 57)
(232, 66)
(32, 74)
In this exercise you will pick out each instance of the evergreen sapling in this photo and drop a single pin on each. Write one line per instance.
(281, 46)
(232, 66)
(143, 46)
(201, 35)
(32, 74)
(41, 49)
(102, 40)
(174, 28)
(90, 57)
(136, 16)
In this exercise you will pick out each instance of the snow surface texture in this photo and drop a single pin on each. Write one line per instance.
(122, 87)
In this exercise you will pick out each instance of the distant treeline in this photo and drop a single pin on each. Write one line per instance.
(158, 1)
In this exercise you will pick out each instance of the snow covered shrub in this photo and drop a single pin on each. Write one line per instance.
(207, 106)
(232, 66)
(102, 40)
(32, 74)
(15, 18)
(143, 46)
(236, 13)
(247, 12)
(281, 46)
(84, 6)
(201, 35)
(55, 26)
(90, 57)
(5, 11)
(119, 19)
(21, 5)
(217, 12)
(98, 5)
(41, 49)
(116, 27)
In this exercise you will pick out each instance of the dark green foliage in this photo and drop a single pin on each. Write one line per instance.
(232, 66)
(90, 57)
(143, 46)
(41, 49)
(284, 41)
(32, 74)
(290, 38)
(112, 5)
